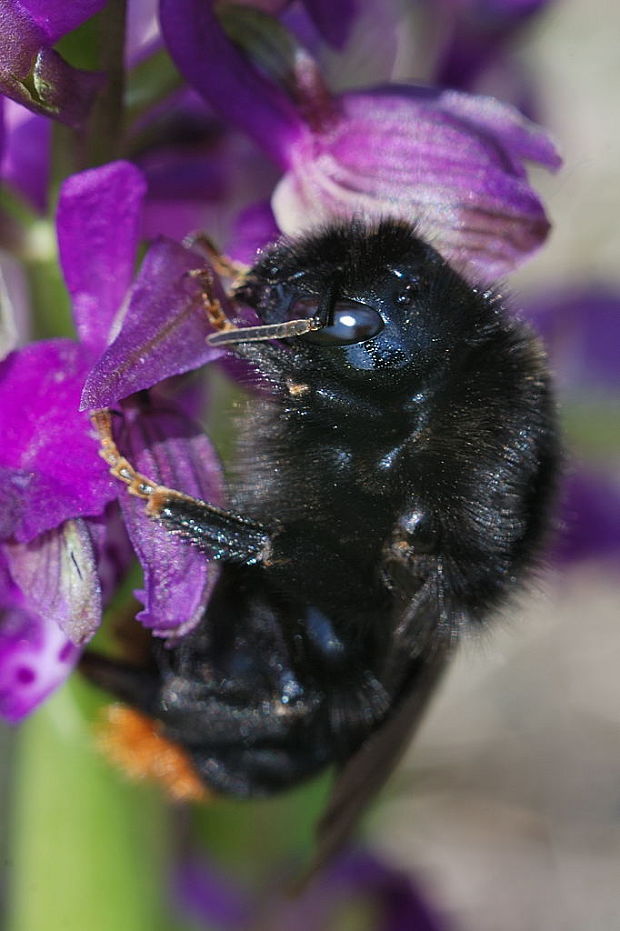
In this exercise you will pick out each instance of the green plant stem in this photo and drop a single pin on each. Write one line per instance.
(149, 82)
(87, 850)
(103, 134)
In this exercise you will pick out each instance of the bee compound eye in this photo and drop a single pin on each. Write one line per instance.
(351, 323)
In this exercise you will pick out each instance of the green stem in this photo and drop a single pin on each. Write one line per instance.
(148, 83)
(87, 849)
(103, 134)
(97, 45)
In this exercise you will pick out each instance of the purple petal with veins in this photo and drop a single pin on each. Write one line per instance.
(49, 452)
(35, 656)
(164, 330)
(446, 160)
(99, 213)
(168, 448)
(57, 574)
(516, 138)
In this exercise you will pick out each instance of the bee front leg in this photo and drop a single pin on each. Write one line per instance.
(217, 532)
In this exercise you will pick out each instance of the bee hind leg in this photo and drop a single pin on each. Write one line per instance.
(217, 532)
(221, 534)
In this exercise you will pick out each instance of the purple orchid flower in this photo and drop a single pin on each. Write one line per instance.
(355, 877)
(476, 35)
(198, 169)
(450, 161)
(54, 487)
(35, 75)
(581, 330)
(26, 157)
(35, 656)
(333, 19)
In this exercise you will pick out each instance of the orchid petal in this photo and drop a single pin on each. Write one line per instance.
(334, 20)
(25, 165)
(57, 17)
(210, 896)
(392, 897)
(590, 518)
(35, 656)
(212, 64)
(255, 228)
(98, 229)
(14, 304)
(164, 330)
(581, 329)
(178, 578)
(447, 161)
(113, 550)
(477, 35)
(57, 574)
(33, 74)
(49, 452)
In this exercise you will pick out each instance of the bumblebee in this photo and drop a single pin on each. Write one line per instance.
(392, 486)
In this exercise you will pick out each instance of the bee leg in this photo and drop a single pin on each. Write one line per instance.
(220, 533)
(225, 267)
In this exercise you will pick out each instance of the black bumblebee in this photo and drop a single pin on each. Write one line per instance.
(392, 485)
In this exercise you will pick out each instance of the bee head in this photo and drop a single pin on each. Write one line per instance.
(377, 300)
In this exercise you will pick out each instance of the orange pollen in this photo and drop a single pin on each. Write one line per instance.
(132, 742)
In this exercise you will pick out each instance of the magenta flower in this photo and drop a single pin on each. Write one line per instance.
(581, 329)
(451, 161)
(477, 34)
(25, 160)
(54, 488)
(358, 877)
(35, 655)
(35, 75)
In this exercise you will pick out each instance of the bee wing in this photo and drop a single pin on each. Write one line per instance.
(364, 774)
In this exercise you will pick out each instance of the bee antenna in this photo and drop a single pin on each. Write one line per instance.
(254, 334)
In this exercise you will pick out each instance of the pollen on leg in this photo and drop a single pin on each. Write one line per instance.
(133, 742)
(295, 389)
